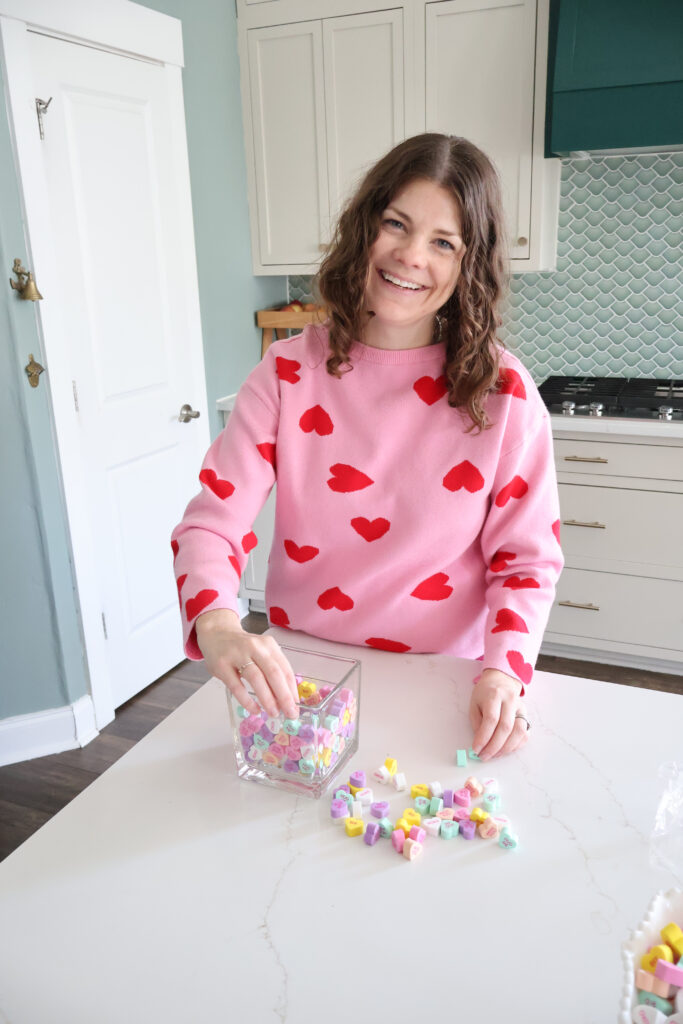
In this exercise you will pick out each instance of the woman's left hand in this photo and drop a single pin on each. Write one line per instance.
(494, 703)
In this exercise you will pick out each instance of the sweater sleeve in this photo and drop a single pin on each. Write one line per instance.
(521, 548)
(211, 543)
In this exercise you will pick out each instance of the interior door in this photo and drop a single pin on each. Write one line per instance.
(120, 223)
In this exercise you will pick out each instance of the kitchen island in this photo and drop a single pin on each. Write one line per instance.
(170, 891)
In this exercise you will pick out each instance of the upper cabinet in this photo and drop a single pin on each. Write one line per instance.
(615, 75)
(323, 99)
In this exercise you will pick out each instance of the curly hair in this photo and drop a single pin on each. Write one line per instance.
(468, 320)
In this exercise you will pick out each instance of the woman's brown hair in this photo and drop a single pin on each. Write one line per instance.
(468, 320)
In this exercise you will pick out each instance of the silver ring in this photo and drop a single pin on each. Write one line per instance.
(241, 669)
(519, 714)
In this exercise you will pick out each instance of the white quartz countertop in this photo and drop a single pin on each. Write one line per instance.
(171, 892)
(629, 429)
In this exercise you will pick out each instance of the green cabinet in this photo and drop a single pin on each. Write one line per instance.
(615, 75)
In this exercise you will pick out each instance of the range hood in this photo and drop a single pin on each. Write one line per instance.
(615, 77)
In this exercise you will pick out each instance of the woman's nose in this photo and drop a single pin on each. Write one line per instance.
(412, 252)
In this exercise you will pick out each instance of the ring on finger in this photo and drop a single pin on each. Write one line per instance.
(520, 715)
(241, 669)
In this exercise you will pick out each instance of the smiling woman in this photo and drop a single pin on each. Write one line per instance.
(416, 496)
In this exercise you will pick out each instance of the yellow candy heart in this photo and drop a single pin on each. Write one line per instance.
(649, 960)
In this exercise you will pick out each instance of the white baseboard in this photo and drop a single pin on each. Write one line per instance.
(47, 732)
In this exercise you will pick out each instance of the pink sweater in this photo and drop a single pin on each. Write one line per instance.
(394, 528)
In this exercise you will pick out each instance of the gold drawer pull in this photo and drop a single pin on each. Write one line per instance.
(576, 522)
(572, 604)
(584, 458)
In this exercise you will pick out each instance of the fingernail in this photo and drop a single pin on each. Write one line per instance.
(292, 711)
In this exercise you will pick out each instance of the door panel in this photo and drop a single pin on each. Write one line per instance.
(127, 309)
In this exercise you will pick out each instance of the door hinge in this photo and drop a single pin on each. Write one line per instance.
(41, 108)
(104, 626)
(75, 391)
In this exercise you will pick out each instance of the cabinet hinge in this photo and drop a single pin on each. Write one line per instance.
(104, 626)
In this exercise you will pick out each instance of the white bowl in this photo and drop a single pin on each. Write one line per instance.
(665, 907)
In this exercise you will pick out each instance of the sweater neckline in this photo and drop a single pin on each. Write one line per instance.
(398, 357)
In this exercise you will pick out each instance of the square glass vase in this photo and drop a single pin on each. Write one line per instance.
(302, 755)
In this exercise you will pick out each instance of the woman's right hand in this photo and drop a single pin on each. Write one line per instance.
(231, 654)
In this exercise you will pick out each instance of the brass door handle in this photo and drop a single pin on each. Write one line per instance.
(187, 413)
(577, 522)
(584, 458)
(572, 604)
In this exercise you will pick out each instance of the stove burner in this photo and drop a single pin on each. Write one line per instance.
(640, 398)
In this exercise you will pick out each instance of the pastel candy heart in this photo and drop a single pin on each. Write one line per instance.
(649, 960)
(647, 1015)
(507, 839)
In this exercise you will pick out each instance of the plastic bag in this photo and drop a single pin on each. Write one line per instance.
(666, 841)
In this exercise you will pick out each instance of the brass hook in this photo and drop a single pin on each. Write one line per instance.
(27, 288)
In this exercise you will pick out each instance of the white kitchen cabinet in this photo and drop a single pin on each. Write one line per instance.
(620, 597)
(480, 84)
(323, 99)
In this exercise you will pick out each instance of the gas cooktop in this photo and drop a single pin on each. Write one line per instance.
(648, 398)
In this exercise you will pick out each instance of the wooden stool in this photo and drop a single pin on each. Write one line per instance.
(275, 323)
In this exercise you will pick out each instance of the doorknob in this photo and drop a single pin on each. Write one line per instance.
(187, 413)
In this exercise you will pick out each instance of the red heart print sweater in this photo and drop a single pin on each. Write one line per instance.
(395, 528)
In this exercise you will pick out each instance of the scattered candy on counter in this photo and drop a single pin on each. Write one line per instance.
(659, 982)
(309, 745)
(447, 813)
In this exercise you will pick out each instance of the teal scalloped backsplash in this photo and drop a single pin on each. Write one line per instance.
(615, 303)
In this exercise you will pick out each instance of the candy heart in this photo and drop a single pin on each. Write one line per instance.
(197, 604)
(370, 529)
(300, 554)
(519, 583)
(335, 598)
(507, 839)
(316, 419)
(380, 644)
(434, 588)
(221, 488)
(510, 383)
(235, 564)
(556, 530)
(278, 616)
(509, 620)
(463, 475)
(347, 478)
(647, 1015)
(267, 450)
(519, 666)
(501, 559)
(655, 953)
(430, 390)
(249, 541)
(180, 581)
(286, 369)
(517, 488)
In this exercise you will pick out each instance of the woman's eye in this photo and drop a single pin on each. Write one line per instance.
(443, 243)
(393, 222)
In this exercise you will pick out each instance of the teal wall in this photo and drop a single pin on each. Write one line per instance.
(41, 651)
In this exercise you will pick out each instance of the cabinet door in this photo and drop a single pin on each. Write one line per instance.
(364, 101)
(480, 85)
(287, 109)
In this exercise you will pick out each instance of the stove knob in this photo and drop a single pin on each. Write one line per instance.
(666, 412)
(596, 408)
(568, 408)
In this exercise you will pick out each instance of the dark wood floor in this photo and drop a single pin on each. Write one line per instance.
(33, 791)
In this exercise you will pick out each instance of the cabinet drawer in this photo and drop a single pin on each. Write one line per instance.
(622, 525)
(625, 609)
(607, 458)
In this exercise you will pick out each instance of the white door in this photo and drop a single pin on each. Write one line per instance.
(120, 318)
(364, 100)
(480, 84)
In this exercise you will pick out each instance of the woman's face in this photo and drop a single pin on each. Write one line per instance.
(415, 261)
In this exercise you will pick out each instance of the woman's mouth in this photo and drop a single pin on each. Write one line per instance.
(401, 283)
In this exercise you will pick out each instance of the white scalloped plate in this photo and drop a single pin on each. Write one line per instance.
(665, 907)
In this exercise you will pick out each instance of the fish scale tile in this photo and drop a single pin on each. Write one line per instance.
(615, 303)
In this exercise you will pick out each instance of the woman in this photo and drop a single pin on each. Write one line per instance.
(416, 497)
